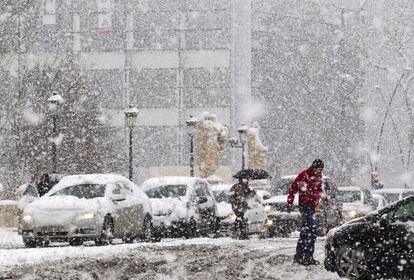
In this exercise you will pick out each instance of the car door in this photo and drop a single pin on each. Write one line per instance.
(398, 239)
(205, 203)
(255, 214)
(132, 211)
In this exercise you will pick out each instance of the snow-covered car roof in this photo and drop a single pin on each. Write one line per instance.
(349, 189)
(281, 199)
(293, 177)
(73, 180)
(392, 190)
(171, 180)
(221, 187)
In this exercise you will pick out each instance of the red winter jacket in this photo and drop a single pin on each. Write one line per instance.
(309, 186)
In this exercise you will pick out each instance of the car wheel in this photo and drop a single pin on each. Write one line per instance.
(30, 243)
(191, 229)
(351, 263)
(149, 232)
(107, 232)
(128, 239)
(75, 242)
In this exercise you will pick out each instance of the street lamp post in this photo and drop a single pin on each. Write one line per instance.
(131, 115)
(191, 125)
(54, 102)
(242, 130)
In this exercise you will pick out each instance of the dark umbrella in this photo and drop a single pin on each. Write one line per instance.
(253, 174)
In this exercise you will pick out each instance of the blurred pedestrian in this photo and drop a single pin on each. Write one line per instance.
(43, 185)
(309, 185)
(239, 194)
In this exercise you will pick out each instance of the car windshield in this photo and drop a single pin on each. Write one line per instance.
(348, 196)
(87, 191)
(282, 186)
(221, 196)
(391, 197)
(167, 191)
(406, 194)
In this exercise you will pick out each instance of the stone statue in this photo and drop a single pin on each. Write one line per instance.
(256, 150)
(211, 138)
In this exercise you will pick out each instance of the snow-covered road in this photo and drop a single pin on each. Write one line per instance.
(201, 258)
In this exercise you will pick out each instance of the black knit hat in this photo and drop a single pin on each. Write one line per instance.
(317, 163)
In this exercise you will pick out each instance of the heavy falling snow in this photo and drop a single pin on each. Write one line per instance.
(125, 126)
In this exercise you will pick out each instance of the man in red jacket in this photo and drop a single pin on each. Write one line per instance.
(309, 185)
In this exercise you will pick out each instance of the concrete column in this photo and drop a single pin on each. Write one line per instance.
(241, 61)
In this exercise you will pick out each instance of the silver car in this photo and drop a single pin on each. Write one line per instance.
(96, 207)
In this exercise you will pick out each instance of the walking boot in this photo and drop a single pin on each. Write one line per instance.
(312, 261)
(300, 260)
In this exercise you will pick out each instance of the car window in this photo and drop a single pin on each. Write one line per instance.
(31, 190)
(282, 186)
(391, 197)
(167, 191)
(368, 196)
(87, 191)
(406, 194)
(404, 213)
(348, 196)
(221, 196)
(201, 189)
(125, 187)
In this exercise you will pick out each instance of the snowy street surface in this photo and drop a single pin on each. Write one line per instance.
(200, 258)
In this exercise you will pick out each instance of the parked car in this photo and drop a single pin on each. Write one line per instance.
(96, 207)
(181, 206)
(280, 222)
(375, 246)
(394, 194)
(356, 202)
(27, 193)
(255, 214)
(263, 195)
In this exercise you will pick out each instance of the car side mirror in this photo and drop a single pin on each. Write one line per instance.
(384, 223)
(118, 197)
(202, 200)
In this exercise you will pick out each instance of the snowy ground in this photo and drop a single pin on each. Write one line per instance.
(201, 258)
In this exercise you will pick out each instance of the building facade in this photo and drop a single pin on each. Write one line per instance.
(284, 64)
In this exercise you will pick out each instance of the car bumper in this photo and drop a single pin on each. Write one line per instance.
(164, 227)
(85, 230)
(282, 223)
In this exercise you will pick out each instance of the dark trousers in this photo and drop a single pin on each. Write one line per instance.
(240, 226)
(307, 237)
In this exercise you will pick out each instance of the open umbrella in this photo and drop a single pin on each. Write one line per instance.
(252, 174)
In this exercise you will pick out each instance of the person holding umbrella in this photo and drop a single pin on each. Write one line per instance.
(309, 185)
(239, 194)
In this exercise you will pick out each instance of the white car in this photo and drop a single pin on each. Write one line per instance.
(96, 207)
(263, 195)
(255, 214)
(181, 206)
(356, 202)
(394, 194)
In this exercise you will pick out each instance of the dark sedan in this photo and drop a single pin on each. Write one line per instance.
(380, 244)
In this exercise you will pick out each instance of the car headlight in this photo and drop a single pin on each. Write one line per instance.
(351, 214)
(232, 217)
(27, 218)
(88, 215)
(269, 222)
(267, 208)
